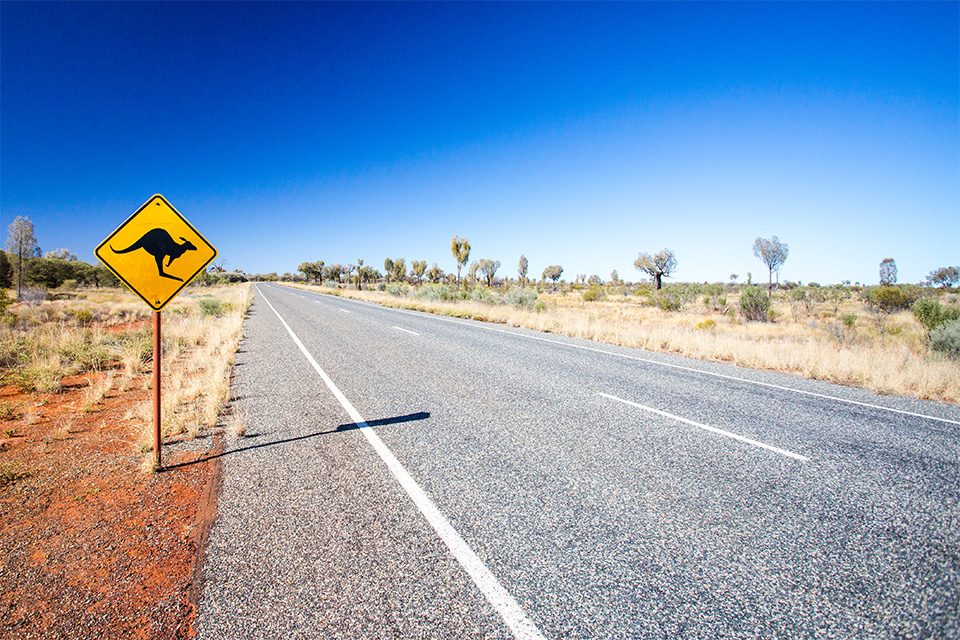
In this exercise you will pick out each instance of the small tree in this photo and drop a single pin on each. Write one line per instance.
(888, 272)
(614, 278)
(311, 270)
(944, 277)
(460, 247)
(553, 273)
(773, 253)
(733, 278)
(333, 272)
(361, 272)
(488, 268)
(399, 269)
(435, 274)
(418, 268)
(473, 273)
(22, 243)
(522, 270)
(388, 268)
(659, 266)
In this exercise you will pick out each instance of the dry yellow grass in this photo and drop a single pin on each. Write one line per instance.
(894, 361)
(43, 342)
(199, 352)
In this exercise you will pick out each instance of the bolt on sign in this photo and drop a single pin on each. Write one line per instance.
(156, 252)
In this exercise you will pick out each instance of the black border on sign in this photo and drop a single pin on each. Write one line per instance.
(186, 281)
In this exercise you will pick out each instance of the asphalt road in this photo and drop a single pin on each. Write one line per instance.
(577, 491)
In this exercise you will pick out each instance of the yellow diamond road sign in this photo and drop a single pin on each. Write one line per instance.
(156, 252)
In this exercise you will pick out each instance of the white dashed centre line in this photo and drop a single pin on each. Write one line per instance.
(706, 427)
(406, 331)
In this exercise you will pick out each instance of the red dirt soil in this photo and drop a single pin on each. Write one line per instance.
(91, 545)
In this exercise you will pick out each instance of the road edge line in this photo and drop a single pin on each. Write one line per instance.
(499, 598)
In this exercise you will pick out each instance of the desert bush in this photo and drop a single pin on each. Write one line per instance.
(755, 304)
(889, 299)
(945, 339)
(524, 298)
(713, 297)
(398, 289)
(435, 292)
(484, 295)
(691, 292)
(931, 314)
(594, 293)
(210, 306)
(668, 300)
(707, 325)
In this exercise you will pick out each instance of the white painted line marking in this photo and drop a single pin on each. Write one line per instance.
(693, 370)
(406, 331)
(478, 325)
(509, 609)
(705, 427)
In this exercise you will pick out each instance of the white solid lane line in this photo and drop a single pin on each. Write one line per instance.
(706, 427)
(499, 598)
(406, 331)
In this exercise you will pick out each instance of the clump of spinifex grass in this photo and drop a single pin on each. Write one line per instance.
(838, 342)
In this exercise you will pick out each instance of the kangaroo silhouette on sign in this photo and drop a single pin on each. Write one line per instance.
(159, 244)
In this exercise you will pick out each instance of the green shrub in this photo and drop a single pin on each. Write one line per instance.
(397, 289)
(755, 304)
(210, 306)
(484, 295)
(668, 300)
(945, 339)
(931, 314)
(889, 299)
(521, 298)
(594, 293)
(435, 292)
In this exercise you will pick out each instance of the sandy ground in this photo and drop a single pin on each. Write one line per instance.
(90, 544)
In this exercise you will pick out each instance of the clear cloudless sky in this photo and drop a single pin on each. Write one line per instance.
(577, 134)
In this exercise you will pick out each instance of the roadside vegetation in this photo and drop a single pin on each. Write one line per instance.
(52, 336)
(891, 338)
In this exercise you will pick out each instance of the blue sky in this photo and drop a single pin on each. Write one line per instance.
(577, 134)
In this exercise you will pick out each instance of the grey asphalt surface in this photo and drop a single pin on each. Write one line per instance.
(601, 519)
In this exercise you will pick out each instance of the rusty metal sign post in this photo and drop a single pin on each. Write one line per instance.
(141, 252)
